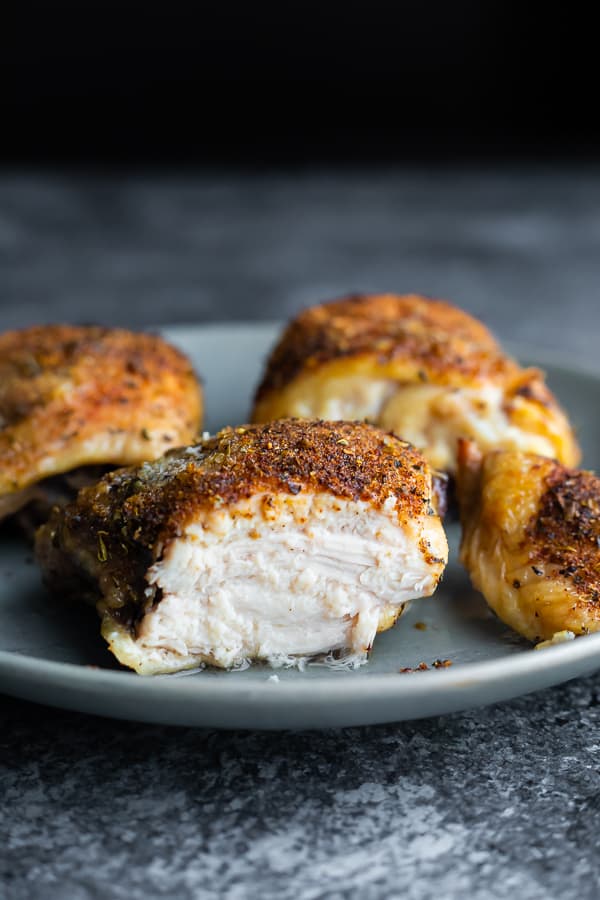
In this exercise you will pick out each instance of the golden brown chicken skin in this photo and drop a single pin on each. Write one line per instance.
(531, 540)
(75, 396)
(421, 368)
(275, 542)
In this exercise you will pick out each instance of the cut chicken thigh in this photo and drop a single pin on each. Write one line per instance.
(269, 542)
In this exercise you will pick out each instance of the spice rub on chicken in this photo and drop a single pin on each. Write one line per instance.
(421, 368)
(269, 542)
(87, 396)
(531, 540)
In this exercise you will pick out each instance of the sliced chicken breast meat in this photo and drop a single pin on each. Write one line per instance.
(421, 368)
(531, 540)
(83, 397)
(268, 542)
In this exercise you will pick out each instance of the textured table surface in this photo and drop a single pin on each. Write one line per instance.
(497, 802)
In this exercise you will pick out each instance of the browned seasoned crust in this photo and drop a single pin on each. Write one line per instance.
(565, 530)
(68, 394)
(123, 524)
(444, 341)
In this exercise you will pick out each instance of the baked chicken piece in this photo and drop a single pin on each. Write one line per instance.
(531, 540)
(274, 542)
(421, 368)
(82, 399)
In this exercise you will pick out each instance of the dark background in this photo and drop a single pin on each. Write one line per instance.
(186, 162)
(263, 84)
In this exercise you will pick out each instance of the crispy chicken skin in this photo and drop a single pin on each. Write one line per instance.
(272, 542)
(421, 368)
(75, 396)
(531, 540)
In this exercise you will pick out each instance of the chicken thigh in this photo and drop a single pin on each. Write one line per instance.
(421, 368)
(531, 540)
(81, 399)
(272, 542)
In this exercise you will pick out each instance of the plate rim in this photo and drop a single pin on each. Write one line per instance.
(466, 674)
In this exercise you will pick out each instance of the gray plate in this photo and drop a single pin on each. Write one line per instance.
(55, 656)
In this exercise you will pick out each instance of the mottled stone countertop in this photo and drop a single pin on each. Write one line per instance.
(495, 802)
